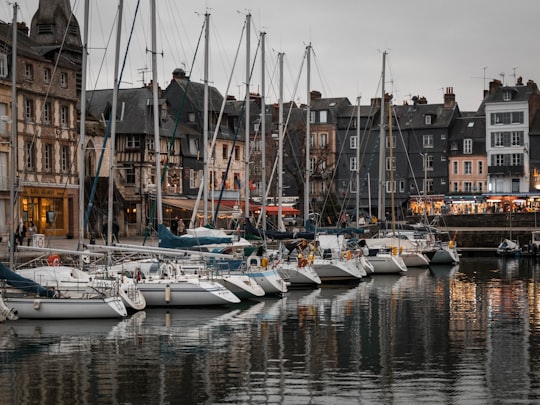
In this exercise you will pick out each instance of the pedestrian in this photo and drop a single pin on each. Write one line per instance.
(174, 226)
(32, 230)
(116, 230)
(181, 227)
(20, 232)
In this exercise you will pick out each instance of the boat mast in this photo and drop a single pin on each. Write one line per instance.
(246, 147)
(280, 225)
(82, 129)
(13, 161)
(392, 187)
(263, 132)
(358, 132)
(205, 118)
(308, 134)
(113, 128)
(159, 205)
(382, 151)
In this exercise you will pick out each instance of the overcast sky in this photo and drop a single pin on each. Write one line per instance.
(431, 44)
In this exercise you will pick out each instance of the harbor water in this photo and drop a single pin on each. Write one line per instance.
(465, 334)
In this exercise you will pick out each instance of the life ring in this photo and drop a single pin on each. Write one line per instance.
(54, 260)
(302, 262)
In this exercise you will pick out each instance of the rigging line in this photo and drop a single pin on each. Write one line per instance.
(178, 38)
(324, 82)
(108, 130)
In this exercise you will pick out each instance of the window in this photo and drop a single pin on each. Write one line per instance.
(47, 157)
(47, 113)
(443, 137)
(467, 187)
(455, 169)
(225, 152)
(312, 140)
(193, 145)
(191, 117)
(29, 110)
(507, 95)
(467, 146)
(133, 142)
(480, 186)
(65, 159)
(47, 75)
(429, 185)
(312, 163)
(498, 139)
(427, 141)
(353, 142)
(388, 160)
(3, 66)
(427, 119)
(515, 185)
(63, 79)
(312, 116)
(352, 164)
(64, 116)
(506, 118)
(455, 187)
(237, 152)
(429, 163)
(467, 167)
(387, 141)
(323, 140)
(323, 116)
(150, 144)
(3, 124)
(402, 186)
(480, 167)
(30, 158)
(498, 159)
(516, 138)
(195, 177)
(390, 186)
(517, 159)
(130, 174)
(29, 71)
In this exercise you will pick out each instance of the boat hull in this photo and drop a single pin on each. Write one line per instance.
(299, 276)
(387, 264)
(179, 293)
(67, 308)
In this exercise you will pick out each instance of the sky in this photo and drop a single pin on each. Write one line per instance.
(431, 45)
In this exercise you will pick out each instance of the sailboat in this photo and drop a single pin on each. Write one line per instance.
(27, 298)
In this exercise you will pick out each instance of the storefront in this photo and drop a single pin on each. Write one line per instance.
(52, 210)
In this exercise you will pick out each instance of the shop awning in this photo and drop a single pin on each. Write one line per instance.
(190, 206)
(285, 210)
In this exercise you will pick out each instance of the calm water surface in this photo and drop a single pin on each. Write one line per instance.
(468, 334)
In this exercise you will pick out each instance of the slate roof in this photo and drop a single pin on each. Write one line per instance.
(468, 126)
(413, 116)
(519, 93)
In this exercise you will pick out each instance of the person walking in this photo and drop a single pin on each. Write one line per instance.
(181, 227)
(21, 232)
(32, 230)
(174, 226)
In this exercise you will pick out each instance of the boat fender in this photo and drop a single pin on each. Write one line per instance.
(311, 258)
(348, 255)
(302, 262)
(400, 249)
(394, 250)
(54, 260)
(37, 305)
(168, 294)
(451, 244)
(264, 262)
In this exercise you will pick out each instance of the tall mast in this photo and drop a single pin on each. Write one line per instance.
(13, 160)
(113, 129)
(205, 118)
(308, 135)
(82, 129)
(263, 132)
(382, 151)
(246, 147)
(358, 133)
(159, 205)
(281, 226)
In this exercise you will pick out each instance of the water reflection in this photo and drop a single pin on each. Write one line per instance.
(467, 333)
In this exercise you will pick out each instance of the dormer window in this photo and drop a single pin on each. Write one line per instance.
(427, 119)
(507, 95)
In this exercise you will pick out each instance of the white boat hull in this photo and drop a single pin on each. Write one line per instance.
(387, 264)
(67, 308)
(269, 279)
(185, 292)
(298, 276)
(241, 285)
(337, 270)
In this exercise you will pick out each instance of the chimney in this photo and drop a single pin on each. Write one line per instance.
(533, 88)
(376, 102)
(449, 98)
(23, 28)
(494, 86)
(422, 100)
(315, 95)
(179, 73)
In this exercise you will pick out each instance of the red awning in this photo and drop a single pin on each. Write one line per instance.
(273, 210)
